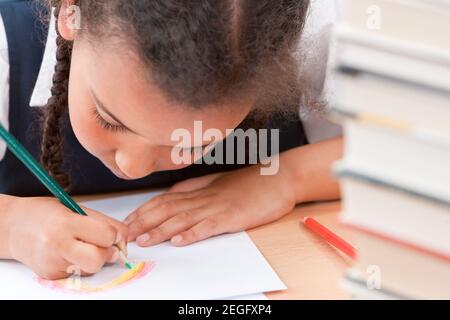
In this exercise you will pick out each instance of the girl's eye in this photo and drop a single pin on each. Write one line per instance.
(105, 124)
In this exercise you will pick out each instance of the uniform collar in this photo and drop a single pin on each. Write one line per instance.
(42, 89)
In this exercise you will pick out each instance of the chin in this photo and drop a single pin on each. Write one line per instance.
(118, 173)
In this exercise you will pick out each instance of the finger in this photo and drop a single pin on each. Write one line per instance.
(72, 270)
(55, 268)
(148, 220)
(158, 201)
(194, 184)
(212, 226)
(120, 226)
(175, 225)
(87, 257)
(96, 232)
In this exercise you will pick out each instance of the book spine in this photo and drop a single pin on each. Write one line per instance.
(341, 171)
(375, 233)
(406, 20)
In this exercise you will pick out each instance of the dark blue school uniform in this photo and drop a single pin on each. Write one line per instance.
(26, 36)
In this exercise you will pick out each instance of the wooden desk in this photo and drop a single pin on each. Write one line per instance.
(310, 268)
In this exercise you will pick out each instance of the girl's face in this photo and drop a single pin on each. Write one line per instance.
(126, 121)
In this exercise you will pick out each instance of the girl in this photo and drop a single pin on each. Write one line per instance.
(128, 74)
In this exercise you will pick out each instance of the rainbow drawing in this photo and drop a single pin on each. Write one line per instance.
(139, 271)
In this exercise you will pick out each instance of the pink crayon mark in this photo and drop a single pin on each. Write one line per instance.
(60, 285)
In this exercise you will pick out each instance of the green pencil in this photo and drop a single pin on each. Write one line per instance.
(27, 159)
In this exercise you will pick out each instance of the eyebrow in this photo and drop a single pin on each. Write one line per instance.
(105, 110)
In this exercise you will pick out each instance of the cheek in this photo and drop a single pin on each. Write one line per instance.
(165, 161)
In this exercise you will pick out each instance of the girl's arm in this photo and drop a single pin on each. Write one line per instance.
(308, 169)
(200, 208)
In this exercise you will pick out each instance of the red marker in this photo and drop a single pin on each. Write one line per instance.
(330, 237)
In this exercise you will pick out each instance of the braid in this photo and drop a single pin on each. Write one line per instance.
(52, 140)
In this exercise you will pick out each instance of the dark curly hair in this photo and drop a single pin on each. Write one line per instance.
(199, 52)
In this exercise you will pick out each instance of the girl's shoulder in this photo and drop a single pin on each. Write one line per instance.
(322, 13)
(318, 50)
(317, 45)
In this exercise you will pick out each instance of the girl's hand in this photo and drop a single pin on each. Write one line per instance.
(54, 242)
(200, 208)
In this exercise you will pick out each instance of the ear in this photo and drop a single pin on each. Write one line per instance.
(69, 19)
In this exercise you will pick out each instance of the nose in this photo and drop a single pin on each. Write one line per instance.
(136, 162)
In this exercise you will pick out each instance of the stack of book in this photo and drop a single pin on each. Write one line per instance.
(393, 99)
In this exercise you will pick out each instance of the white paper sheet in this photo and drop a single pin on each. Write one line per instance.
(257, 296)
(220, 267)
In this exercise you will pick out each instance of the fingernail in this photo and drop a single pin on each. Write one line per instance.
(177, 239)
(114, 256)
(143, 239)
